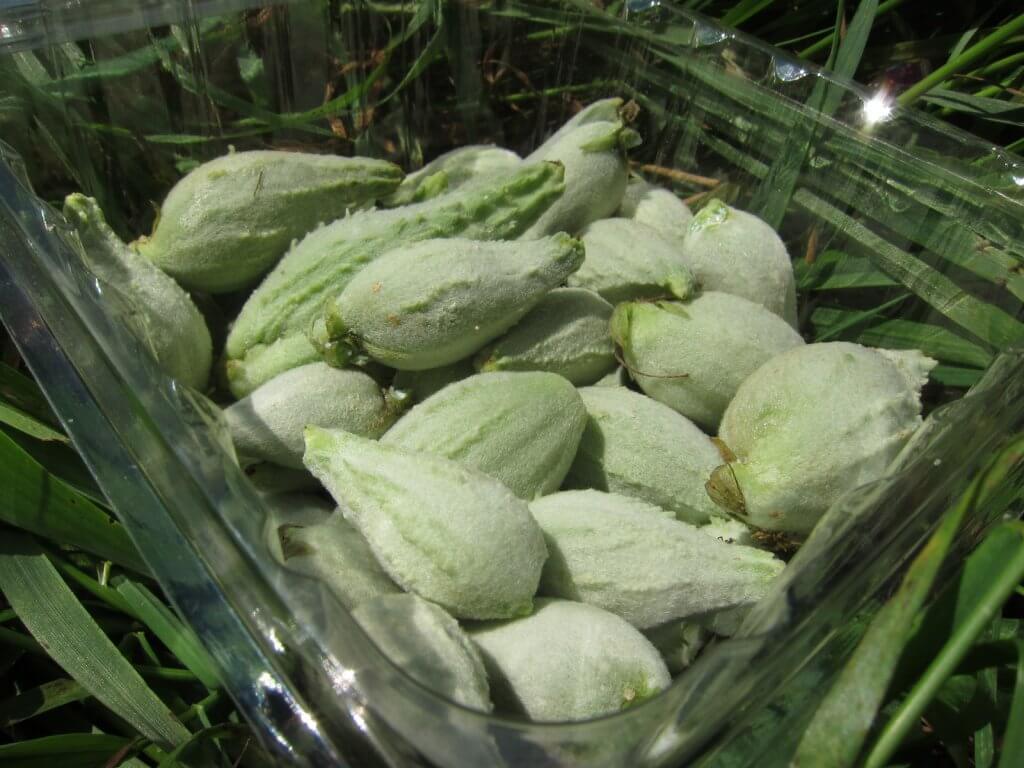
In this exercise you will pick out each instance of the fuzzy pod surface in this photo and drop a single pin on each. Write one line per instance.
(628, 260)
(568, 661)
(735, 252)
(448, 533)
(692, 356)
(226, 222)
(162, 315)
(635, 446)
(454, 168)
(566, 333)
(679, 642)
(520, 428)
(423, 384)
(426, 643)
(268, 424)
(809, 425)
(658, 208)
(270, 333)
(436, 302)
(642, 566)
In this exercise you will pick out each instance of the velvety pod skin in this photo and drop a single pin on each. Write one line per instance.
(438, 301)
(162, 314)
(448, 533)
(455, 168)
(679, 642)
(594, 157)
(307, 537)
(642, 566)
(658, 208)
(735, 252)
(270, 334)
(520, 428)
(628, 260)
(420, 385)
(226, 222)
(635, 446)
(568, 661)
(698, 352)
(268, 424)
(806, 427)
(566, 333)
(429, 645)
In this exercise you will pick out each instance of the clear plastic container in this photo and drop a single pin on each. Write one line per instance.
(888, 214)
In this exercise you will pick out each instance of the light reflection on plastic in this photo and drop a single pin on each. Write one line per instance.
(275, 641)
(877, 109)
(267, 681)
(1019, 181)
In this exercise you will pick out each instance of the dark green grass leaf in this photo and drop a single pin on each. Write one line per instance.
(835, 270)
(1013, 739)
(28, 424)
(69, 750)
(36, 501)
(56, 619)
(983, 107)
(171, 631)
(43, 698)
(840, 726)
(19, 391)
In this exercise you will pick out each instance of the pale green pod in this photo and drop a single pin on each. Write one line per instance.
(692, 356)
(162, 315)
(809, 425)
(594, 157)
(423, 384)
(448, 533)
(307, 537)
(566, 333)
(678, 642)
(428, 645)
(644, 567)
(268, 424)
(601, 111)
(724, 623)
(617, 378)
(264, 362)
(628, 260)
(318, 268)
(436, 302)
(580, 503)
(568, 661)
(458, 167)
(636, 446)
(520, 428)
(658, 208)
(735, 252)
(730, 530)
(225, 223)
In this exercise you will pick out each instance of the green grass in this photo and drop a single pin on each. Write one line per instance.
(97, 670)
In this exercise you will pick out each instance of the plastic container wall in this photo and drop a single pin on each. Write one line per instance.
(886, 213)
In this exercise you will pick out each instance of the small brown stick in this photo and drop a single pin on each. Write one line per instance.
(812, 247)
(696, 198)
(677, 175)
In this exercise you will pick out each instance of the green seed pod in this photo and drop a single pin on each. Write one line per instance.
(580, 503)
(730, 530)
(642, 566)
(566, 333)
(658, 208)
(441, 530)
(724, 623)
(438, 301)
(678, 642)
(568, 661)
(601, 111)
(617, 378)
(693, 356)
(319, 267)
(226, 222)
(161, 314)
(458, 167)
(627, 260)
(638, 447)
(264, 362)
(267, 425)
(594, 156)
(429, 646)
(735, 252)
(307, 537)
(809, 425)
(520, 428)
(423, 384)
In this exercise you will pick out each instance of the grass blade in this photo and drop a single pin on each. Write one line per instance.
(69, 750)
(172, 632)
(35, 701)
(36, 501)
(56, 619)
(28, 424)
(1013, 740)
(990, 575)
